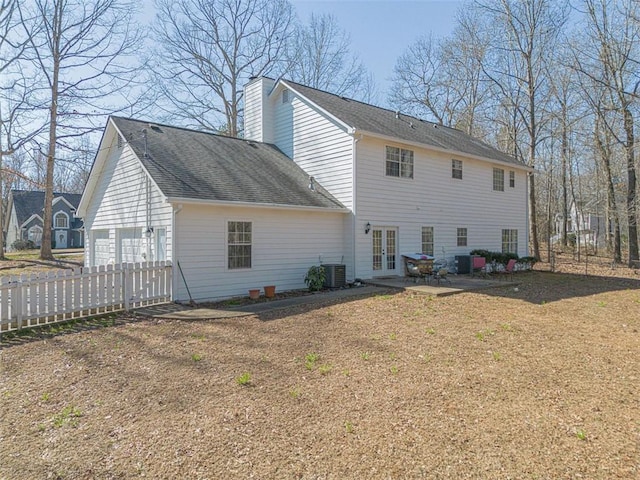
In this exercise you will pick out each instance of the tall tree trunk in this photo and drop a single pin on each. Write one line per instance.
(2, 239)
(612, 206)
(47, 219)
(565, 193)
(631, 187)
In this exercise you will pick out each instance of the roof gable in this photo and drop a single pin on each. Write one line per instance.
(188, 164)
(387, 123)
(30, 202)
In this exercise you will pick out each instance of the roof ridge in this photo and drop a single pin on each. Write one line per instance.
(187, 129)
(407, 115)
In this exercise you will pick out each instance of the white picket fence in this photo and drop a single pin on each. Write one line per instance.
(37, 299)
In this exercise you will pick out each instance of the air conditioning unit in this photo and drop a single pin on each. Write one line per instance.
(335, 275)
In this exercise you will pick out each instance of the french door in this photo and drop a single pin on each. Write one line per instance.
(385, 250)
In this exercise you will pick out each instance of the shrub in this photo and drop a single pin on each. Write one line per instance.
(23, 245)
(315, 278)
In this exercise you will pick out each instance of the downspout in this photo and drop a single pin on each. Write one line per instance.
(354, 199)
(526, 207)
(174, 252)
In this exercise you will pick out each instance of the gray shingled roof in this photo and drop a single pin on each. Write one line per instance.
(28, 202)
(203, 166)
(376, 120)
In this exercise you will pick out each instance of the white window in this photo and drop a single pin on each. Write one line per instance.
(286, 96)
(456, 169)
(35, 235)
(512, 179)
(427, 240)
(399, 162)
(239, 245)
(462, 237)
(498, 179)
(61, 220)
(509, 241)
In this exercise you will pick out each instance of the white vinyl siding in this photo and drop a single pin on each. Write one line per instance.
(123, 199)
(285, 243)
(317, 143)
(434, 199)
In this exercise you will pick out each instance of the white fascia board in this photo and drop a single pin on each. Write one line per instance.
(348, 128)
(454, 153)
(195, 201)
(35, 215)
(101, 155)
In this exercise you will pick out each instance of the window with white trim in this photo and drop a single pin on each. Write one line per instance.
(456, 169)
(399, 162)
(35, 235)
(239, 245)
(286, 96)
(427, 240)
(61, 220)
(512, 179)
(509, 241)
(498, 179)
(461, 237)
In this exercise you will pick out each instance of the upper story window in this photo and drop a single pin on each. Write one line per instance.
(239, 245)
(512, 179)
(498, 179)
(456, 169)
(427, 240)
(286, 96)
(61, 220)
(399, 162)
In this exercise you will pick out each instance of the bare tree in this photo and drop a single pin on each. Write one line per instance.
(17, 127)
(612, 64)
(525, 32)
(320, 57)
(83, 51)
(210, 48)
(444, 79)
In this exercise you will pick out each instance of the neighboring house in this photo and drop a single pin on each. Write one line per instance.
(318, 179)
(584, 224)
(24, 219)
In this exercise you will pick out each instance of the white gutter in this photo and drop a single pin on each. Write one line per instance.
(221, 203)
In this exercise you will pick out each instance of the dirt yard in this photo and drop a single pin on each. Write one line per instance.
(534, 380)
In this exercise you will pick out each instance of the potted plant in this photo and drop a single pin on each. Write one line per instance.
(254, 293)
(270, 291)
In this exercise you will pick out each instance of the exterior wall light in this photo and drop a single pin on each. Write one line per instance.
(367, 228)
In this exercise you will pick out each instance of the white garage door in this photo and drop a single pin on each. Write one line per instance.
(100, 247)
(132, 246)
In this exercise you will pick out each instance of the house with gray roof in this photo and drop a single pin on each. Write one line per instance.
(24, 220)
(318, 179)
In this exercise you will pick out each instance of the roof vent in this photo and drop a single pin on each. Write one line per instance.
(435, 125)
(155, 128)
(398, 114)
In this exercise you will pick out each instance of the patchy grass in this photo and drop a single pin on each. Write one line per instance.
(548, 391)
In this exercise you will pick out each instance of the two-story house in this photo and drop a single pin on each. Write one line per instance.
(318, 178)
(24, 220)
